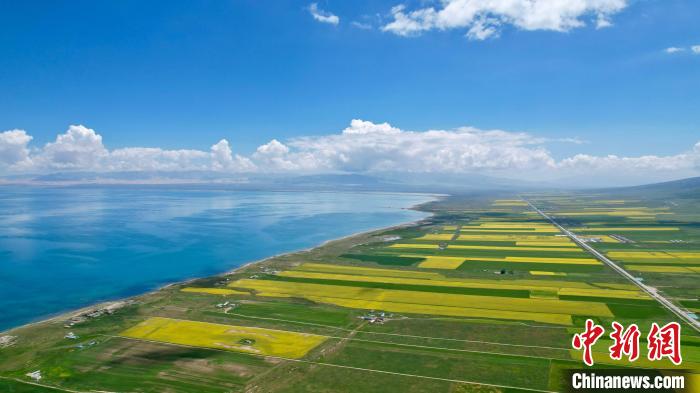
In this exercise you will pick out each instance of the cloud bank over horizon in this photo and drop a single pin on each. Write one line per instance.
(363, 147)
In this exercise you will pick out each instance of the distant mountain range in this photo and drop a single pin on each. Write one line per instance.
(376, 182)
(683, 188)
(691, 183)
(387, 181)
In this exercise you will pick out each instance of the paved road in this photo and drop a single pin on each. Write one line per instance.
(694, 323)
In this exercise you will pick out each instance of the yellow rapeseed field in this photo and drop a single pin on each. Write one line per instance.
(556, 287)
(464, 312)
(564, 261)
(430, 278)
(663, 269)
(233, 338)
(489, 226)
(627, 213)
(413, 245)
(514, 230)
(309, 290)
(510, 248)
(557, 243)
(514, 238)
(432, 262)
(499, 219)
(685, 254)
(544, 273)
(214, 291)
(603, 238)
(516, 224)
(356, 278)
(627, 229)
(437, 278)
(640, 255)
(509, 202)
(366, 271)
(656, 257)
(600, 292)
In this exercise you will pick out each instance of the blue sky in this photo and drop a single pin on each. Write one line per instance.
(185, 75)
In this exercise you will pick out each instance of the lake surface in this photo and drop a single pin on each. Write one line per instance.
(65, 248)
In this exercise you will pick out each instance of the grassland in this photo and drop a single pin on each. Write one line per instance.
(483, 296)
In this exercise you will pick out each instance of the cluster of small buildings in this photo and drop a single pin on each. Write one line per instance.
(269, 270)
(376, 317)
(621, 239)
(35, 375)
(264, 271)
(73, 336)
(227, 306)
(6, 341)
(86, 345)
(96, 312)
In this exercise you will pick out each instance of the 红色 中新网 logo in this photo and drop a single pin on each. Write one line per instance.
(663, 342)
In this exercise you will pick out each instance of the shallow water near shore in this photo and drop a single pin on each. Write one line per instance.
(66, 248)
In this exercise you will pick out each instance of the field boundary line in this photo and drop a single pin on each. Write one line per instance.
(41, 384)
(345, 367)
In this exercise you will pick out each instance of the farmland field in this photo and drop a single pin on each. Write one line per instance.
(485, 295)
(226, 337)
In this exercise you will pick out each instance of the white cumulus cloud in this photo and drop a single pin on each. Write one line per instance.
(275, 156)
(484, 19)
(79, 147)
(362, 147)
(223, 159)
(323, 16)
(368, 147)
(13, 148)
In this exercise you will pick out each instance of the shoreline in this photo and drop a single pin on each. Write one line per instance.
(65, 315)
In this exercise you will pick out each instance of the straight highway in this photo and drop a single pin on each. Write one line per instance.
(694, 323)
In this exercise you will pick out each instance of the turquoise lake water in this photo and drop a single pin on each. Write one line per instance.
(65, 248)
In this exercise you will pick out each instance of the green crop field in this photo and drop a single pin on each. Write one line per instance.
(485, 295)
